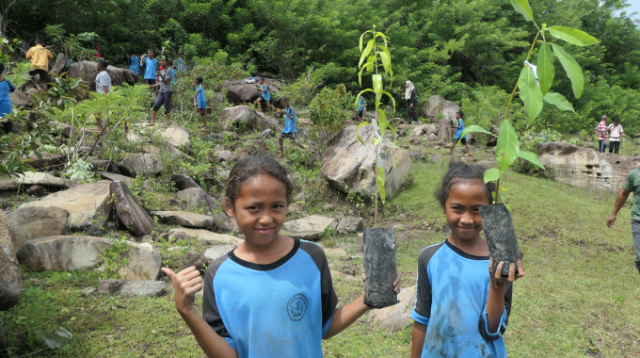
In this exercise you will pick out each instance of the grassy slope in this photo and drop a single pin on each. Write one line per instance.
(579, 298)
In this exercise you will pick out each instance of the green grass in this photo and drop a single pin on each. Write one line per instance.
(580, 297)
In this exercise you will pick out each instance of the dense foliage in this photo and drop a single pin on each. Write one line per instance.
(453, 48)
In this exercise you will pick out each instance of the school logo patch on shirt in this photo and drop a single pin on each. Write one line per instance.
(297, 306)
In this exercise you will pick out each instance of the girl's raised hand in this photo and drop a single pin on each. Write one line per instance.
(185, 284)
(497, 275)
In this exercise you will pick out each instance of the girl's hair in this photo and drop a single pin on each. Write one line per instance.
(199, 79)
(169, 62)
(150, 49)
(459, 173)
(251, 167)
(1, 68)
(460, 114)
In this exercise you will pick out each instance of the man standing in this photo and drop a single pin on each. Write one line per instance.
(631, 184)
(616, 132)
(603, 134)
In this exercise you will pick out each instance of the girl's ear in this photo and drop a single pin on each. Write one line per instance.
(228, 208)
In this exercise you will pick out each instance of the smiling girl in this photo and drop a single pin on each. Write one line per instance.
(273, 295)
(461, 307)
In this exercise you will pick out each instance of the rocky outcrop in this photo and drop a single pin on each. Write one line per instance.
(87, 204)
(44, 179)
(176, 136)
(348, 163)
(132, 288)
(46, 160)
(138, 163)
(264, 122)
(132, 215)
(184, 218)
(309, 228)
(10, 272)
(116, 177)
(67, 253)
(437, 105)
(238, 117)
(350, 225)
(87, 71)
(183, 182)
(445, 132)
(19, 99)
(34, 222)
(586, 168)
(214, 252)
(195, 198)
(204, 236)
(240, 92)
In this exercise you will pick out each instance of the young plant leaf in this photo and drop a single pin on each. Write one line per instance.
(380, 181)
(531, 157)
(507, 147)
(382, 122)
(392, 99)
(475, 129)
(386, 63)
(546, 71)
(571, 67)
(384, 37)
(530, 93)
(377, 85)
(361, 37)
(360, 94)
(522, 6)
(573, 36)
(366, 52)
(559, 101)
(492, 174)
(358, 131)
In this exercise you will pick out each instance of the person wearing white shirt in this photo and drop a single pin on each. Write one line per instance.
(615, 132)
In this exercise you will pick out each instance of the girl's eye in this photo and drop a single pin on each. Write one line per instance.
(278, 206)
(253, 208)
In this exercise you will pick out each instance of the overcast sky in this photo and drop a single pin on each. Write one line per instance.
(635, 7)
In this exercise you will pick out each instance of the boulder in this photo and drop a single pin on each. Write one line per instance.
(34, 178)
(137, 163)
(116, 177)
(85, 203)
(132, 288)
(238, 117)
(491, 140)
(183, 182)
(58, 66)
(100, 165)
(259, 147)
(204, 236)
(37, 190)
(131, 214)
(445, 132)
(8, 184)
(192, 258)
(47, 160)
(10, 272)
(350, 225)
(418, 153)
(309, 228)
(184, 218)
(226, 156)
(264, 122)
(197, 198)
(176, 136)
(87, 71)
(240, 92)
(436, 158)
(214, 252)
(437, 105)
(19, 99)
(432, 137)
(267, 133)
(67, 253)
(397, 317)
(34, 222)
(586, 168)
(348, 163)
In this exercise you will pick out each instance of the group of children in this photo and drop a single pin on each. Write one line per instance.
(286, 304)
(612, 133)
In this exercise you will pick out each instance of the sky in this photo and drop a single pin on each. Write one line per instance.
(635, 7)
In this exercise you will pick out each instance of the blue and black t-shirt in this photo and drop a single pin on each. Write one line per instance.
(278, 310)
(452, 293)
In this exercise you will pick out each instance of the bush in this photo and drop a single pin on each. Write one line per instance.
(327, 115)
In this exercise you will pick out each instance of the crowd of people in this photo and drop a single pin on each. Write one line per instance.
(609, 136)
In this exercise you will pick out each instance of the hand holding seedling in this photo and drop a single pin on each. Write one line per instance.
(185, 283)
(497, 277)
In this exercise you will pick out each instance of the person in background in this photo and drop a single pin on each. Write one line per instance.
(412, 100)
(362, 107)
(150, 65)
(603, 134)
(290, 129)
(173, 74)
(263, 101)
(201, 100)
(134, 63)
(98, 54)
(39, 56)
(182, 68)
(459, 128)
(103, 86)
(166, 91)
(615, 132)
(6, 87)
(631, 185)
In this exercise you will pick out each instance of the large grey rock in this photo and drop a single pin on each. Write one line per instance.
(264, 122)
(87, 71)
(46, 160)
(238, 117)
(116, 177)
(132, 288)
(197, 198)
(176, 136)
(309, 228)
(226, 156)
(19, 99)
(586, 168)
(85, 203)
(437, 105)
(239, 92)
(192, 258)
(432, 137)
(347, 163)
(203, 236)
(34, 222)
(445, 131)
(67, 253)
(184, 218)
(58, 66)
(137, 163)
(397, 317)
(100, 165)
(34, 178)
(183, 182)
(10, 272)
(132, 215)
(214, 252)
(8, 184)
(350, 225)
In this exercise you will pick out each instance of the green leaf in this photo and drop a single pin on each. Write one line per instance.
(530, 93)
(573, 36)
(355, 104)
(380, 181)
(559, 101)
(492, 174)
(392, 99)
(361, 37)
(522, 6)
(475, 129)
(358, 131)
(384, 37)
(365, 53)
(386, 63)
(382, 122)
(571, 67)
(531, 157)
(546, 71)
(507, 147)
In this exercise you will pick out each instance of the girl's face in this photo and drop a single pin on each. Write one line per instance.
(260, 209)
(150, 54)
(462, 206)
(406, 85)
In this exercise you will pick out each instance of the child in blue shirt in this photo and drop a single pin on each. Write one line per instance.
(290, 129)
(150, 64)
(264, 100)
(459, 128)
(462, 308)
(181, 64)
(273, 295)
(134, 63)
(201, 100)
(362, 107)
(6, 87)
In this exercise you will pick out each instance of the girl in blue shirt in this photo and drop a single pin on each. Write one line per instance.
(273, 295)
(6, 88)
(201, 101)
(134, 64)
(290, 129)
(150, 64)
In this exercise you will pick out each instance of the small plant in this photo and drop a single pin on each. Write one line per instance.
(78, 168)
(114, 257)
